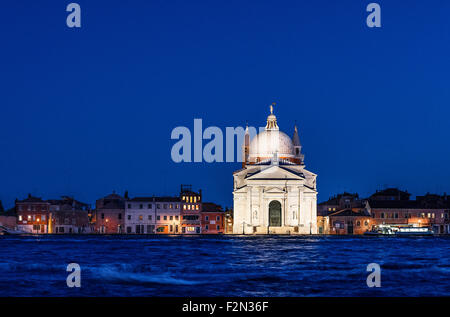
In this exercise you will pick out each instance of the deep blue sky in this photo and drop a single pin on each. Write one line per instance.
(87, 111)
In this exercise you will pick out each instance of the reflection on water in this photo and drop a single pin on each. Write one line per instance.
(224, 266)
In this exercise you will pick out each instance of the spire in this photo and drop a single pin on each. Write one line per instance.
(297, 146)
(246, 136)
(295, 138)
(272, 120)
(246, 146)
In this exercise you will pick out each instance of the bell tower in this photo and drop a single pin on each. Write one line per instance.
(245, 147)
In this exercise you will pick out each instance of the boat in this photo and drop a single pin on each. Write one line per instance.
(414, 231)
(399, 230)
(381, 230)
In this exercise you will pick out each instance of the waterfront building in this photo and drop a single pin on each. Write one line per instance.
(212, 219)
(152, 215)
(109, 216)
(273, 192)
(191, 207)
(67, 215)
(339, 202)
(425, 211)
(349, 221)
(344, 213)
(347, 214)
(32, 214)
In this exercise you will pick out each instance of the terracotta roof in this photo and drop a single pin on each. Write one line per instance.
(408, 204)
(211, 207)
(31, 199)
(349, 212)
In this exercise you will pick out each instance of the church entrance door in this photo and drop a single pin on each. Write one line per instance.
(275, 214)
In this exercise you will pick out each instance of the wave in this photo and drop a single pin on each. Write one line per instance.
(112, 274)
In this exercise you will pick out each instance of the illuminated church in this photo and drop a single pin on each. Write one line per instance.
(273, 192)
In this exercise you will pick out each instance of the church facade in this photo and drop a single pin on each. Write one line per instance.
(273, 192)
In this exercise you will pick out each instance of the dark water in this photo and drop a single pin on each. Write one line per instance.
(224, 266)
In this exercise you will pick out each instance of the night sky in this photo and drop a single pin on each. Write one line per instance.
(88, 111)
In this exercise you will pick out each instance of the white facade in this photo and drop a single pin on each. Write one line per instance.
(274, 195)
(152, 215)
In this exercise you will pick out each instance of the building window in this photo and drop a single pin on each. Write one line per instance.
(218, 227)
(20, 218)
(119, 216)
(382, 215)
(165, 217)
(158, 206)
(141, 217)
(149, 217)
(43, 217)
(170, 206)
(129, 206)
(396, 215)
(128, 229)
(141, 206)
(176, 217)
(196, 207)
(103, 216)
(171, 217)
(206, 227)
(165, 206)
(218, 218)
(129, 217)
(158, 217)
(171, 228)
(149, 206)
(29, 218)
(207, 218)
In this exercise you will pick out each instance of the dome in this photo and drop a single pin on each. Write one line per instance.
(271, 145)
(266, 143)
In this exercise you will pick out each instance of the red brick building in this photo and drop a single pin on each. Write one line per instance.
(33, 215)
(69, 216)
(109, 216)
(212, 219)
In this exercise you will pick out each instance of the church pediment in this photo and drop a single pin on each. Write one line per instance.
(274, 190)
(276, 173)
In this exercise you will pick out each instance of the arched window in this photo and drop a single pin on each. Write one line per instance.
(275, 214)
